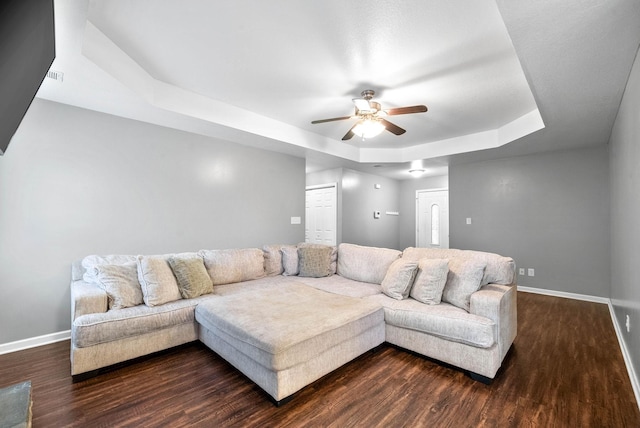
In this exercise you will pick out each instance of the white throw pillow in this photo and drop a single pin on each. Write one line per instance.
(399, 278)
(121, 284)
(430, 280)
(159, 285)
(289, 260)
(464, 279)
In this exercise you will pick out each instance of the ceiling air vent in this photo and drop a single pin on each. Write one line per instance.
(55, 75)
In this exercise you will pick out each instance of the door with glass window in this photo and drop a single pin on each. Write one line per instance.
(432, 218)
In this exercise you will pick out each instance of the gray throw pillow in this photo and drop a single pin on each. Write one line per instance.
(399, 278)
(430, 280)
(314, 262)
(192, 277)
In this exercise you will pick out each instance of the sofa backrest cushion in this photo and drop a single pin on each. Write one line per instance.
(365, 264)
(498, 270)
(229, 266)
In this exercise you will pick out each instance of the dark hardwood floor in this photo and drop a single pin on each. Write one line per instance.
(565, 370)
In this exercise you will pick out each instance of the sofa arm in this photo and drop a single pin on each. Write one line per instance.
(87, 299)
(498, 303)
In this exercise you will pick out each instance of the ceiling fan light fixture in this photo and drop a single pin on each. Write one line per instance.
(417, 173)
(368, 128)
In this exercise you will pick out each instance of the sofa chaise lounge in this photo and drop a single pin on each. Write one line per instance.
(286, 315)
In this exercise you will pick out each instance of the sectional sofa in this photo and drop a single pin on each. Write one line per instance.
(286, 315)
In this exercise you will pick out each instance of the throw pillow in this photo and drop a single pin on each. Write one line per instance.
(315, 261)
(289, 260)
(400, 275)
(156, 278)
(334, 253)
(430, 280)
(463, 280)
(120, 283)
(191, 275)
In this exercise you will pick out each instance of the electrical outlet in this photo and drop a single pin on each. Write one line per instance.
(521, 271)
(628, 324)
(531, 272)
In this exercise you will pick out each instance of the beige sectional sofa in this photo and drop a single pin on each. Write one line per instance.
(286, 315)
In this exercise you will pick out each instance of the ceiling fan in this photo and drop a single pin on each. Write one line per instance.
(371, 117)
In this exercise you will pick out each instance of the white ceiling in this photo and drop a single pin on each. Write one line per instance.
(257, 73)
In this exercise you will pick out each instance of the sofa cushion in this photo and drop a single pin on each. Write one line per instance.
(366, 264)
(443, 320)
(337, 284)
(285, 326)
(157, 281)
(94, 329)
(290, 259)
(430, 280)
(463, 280)
(314, 261)
(499, 270)
(191, 275)
(399, 278)
(229, 266)
(121, 284)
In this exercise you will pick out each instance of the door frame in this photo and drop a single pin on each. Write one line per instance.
(417, 212)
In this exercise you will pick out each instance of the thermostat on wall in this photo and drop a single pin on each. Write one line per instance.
(376, 214)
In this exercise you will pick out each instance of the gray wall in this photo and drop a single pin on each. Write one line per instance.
(76, 182)
(407, 234)
(548, 211)
(357, 200)
(625, 214)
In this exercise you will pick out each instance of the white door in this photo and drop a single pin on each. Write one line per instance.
(321, 215)
(432, 218)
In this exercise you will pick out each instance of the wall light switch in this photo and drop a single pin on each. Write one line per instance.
(521, 271)
(468, 220)
(531, 272)
(377, 186)
(296, 220)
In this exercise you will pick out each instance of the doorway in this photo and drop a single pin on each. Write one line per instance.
(321, 214)
(432, 218)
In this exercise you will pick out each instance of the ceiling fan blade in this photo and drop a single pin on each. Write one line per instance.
(331, 120)
(349, 134)
(394, 129)
(406, 110)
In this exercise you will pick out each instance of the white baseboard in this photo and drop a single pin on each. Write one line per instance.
(32, 342)
(574, 296)
(633, 377)
(635, 384)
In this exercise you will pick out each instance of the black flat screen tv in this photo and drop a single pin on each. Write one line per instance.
(27, 49)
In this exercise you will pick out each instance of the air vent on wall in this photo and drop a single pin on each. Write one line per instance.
(55, 75)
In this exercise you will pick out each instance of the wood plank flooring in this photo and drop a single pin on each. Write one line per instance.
(565, 370)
